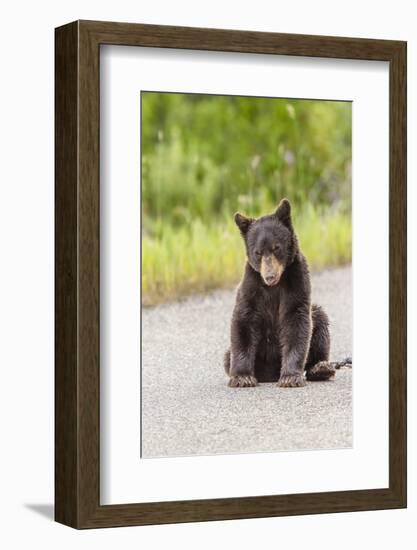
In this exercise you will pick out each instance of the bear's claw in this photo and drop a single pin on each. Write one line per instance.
(291, 381)
(242, 382)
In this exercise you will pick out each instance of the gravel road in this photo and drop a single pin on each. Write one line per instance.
(187, 408)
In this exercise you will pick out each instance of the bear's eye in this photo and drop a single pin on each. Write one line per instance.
(258, 253)
(276, 248)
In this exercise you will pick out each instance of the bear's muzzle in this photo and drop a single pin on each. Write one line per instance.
(271, 269)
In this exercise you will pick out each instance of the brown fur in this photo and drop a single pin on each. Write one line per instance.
(276, 333)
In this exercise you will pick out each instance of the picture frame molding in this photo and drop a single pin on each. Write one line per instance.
(77, 273)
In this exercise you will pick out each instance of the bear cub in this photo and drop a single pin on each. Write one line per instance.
(277, 335)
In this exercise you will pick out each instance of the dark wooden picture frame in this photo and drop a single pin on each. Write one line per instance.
(77, 360)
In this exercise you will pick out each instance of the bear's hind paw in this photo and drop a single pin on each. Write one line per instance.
(321, 371)
(291, 381)
(242, 382)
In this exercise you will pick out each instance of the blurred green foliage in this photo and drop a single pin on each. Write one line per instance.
(204, 157)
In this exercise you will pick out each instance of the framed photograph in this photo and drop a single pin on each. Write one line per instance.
(230, 274)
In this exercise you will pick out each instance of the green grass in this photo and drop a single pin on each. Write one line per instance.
(206, 156)
(199, 257)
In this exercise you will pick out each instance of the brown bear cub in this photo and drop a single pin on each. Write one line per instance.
(276, 333)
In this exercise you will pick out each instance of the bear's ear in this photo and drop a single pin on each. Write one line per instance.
(283, 212)
(243, 222)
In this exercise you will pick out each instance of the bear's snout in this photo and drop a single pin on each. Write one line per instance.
(271, 269)
(270, 279)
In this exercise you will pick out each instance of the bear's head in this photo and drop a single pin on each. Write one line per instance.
(271, 244)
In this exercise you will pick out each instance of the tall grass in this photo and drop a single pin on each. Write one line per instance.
(205, 157)
(202, 257)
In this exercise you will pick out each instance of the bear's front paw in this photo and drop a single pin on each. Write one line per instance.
(291, 381)
(242, 382)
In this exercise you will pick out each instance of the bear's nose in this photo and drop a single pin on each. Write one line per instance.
(270, 279)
